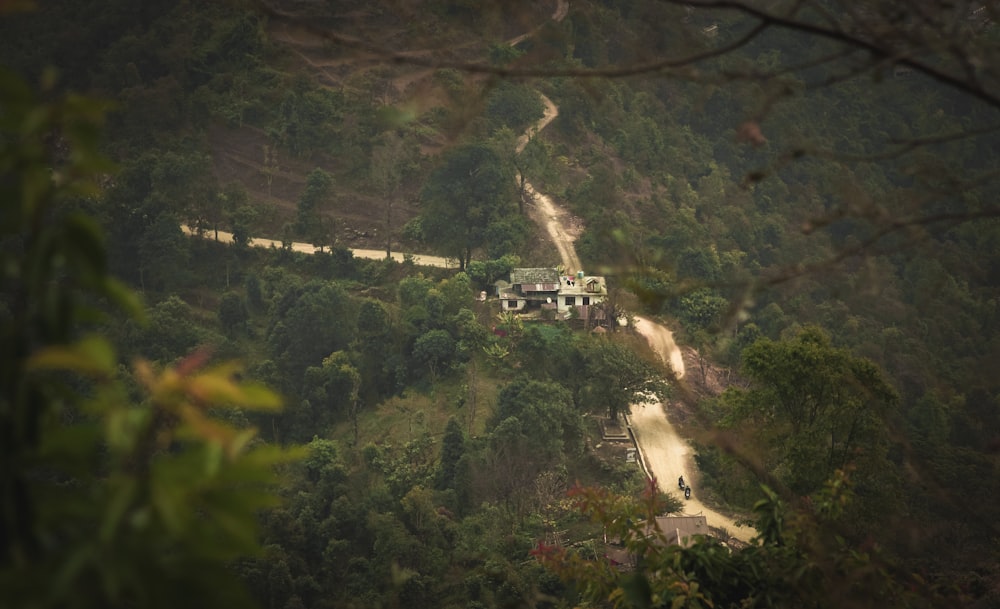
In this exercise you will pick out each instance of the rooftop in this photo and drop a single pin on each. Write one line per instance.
(536, 275)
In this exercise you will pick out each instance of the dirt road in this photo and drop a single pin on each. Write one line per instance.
(308, 248)
(562, 9)
(665, 453)
(556, 221)
(668, 456)
(661, 340)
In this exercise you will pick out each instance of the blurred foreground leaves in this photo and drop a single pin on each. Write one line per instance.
(118, 487)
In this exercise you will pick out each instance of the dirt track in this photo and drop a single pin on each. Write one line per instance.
(308, 248)
(665, 453)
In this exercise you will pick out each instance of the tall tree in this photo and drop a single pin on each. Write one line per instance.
(315, 194)
(618, 378)
(387, 169)
(233, 314)
(332, 389)
(308, 323)
(470, 190)
(813, 408)
(452, 451)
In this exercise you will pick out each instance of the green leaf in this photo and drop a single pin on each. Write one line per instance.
(259, 397)
(92, 356)
(637, 591)
(116, 509)
(125, 298)
(85, 244)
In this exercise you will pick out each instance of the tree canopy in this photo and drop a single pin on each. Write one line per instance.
(470, 192)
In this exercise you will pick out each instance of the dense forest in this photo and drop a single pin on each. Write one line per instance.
(202, 422)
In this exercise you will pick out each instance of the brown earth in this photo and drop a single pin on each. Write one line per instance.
(274, 180)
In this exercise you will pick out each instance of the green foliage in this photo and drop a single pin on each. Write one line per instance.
(233, 314)
(463, 197)
(813, 409)
(169, 333)
(485, 272)
(316, 193)
(332, 391)
(618, 378)
(702, 309)
(795, 561)
(452, 451)
(545, 412)
(513, 105)
(434, 349)
(307, 324)
(142, 211)
(255, 298)
(105, 502)
(501, 54)
(652, 167)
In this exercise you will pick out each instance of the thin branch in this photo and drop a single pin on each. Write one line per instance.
(895, 226)
(902, 148)
(973, 88)
(404, 57)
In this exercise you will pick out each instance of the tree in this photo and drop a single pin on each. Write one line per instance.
(233, 314)
(619, 378)
(308, 323)
(333, 389)
(375, 348)
(452, 451)
(547, 415)
(315, 194)
(514, 106)
(104, 502)
(387, 169)
(434, 349)
(167, 334)
(469, 191)
(702, 309)
(814, 409)
(163, 250)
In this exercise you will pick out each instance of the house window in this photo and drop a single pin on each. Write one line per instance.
(511, 304)
(570, 301)
(586, 300)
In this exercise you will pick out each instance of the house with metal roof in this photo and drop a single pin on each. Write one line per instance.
(539, 289)
(669, 530)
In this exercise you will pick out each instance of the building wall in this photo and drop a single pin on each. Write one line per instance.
(577, 300)
(510, 304)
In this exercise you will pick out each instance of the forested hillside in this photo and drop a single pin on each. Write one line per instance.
(822, 234)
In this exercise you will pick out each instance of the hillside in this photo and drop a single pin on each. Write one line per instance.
(818, 225)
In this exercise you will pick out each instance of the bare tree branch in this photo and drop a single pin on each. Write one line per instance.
(878, 47)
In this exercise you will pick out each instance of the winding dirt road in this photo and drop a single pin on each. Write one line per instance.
(546, 213)
(665, 454)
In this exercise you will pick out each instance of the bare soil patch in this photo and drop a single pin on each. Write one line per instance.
(238, 155)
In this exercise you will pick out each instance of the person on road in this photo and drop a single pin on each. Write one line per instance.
(680, 482)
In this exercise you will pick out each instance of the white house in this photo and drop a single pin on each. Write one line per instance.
(536, 289)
